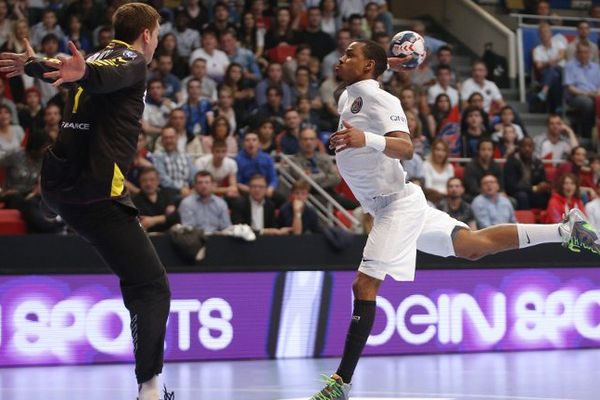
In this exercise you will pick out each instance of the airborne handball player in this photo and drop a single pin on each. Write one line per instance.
(372, 137)
(83, 172)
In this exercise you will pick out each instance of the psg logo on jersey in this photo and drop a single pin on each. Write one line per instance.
(356, 105)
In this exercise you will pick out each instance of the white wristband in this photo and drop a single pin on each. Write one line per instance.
(375, 141)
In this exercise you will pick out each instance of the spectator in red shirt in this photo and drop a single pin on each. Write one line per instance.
(577, 165)
(565, 197)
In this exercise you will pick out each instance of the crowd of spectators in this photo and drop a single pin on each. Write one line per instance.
(233, 85)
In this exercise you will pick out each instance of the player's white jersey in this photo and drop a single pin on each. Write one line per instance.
(368, 172)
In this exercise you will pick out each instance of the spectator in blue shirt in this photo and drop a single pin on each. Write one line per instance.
(175, 168)
(253, 161)
(163, 72)
(297, 214)
(239, 55)
(203, 209)
(195, 109)
(274, 78)
(582, 81)
(490, 207)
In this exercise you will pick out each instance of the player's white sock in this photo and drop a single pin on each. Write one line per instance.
(149, 390)
(533, 234)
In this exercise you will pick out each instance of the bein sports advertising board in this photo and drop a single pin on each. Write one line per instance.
(66, 319)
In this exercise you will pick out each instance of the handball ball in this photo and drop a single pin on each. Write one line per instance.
(408, 43)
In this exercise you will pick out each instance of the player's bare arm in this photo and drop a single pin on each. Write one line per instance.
(398, 144)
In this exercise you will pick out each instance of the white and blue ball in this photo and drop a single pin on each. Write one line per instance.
(408, 43)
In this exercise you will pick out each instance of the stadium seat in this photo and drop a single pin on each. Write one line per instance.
(342, 218)
(343, 189)
(525, 216)
(459, 171)
(11, 223)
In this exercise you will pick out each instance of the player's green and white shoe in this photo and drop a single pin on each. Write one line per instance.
(578, 233)
(335, 389)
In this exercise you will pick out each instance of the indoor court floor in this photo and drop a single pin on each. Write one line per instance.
(536, 375)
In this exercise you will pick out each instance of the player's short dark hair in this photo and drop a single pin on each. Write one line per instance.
(484, 140)
(373, 51)
(443, 48)
(203, 173)
(301, 184)
(131, 19)
(219, 143)
(148, 170)
(443, 68)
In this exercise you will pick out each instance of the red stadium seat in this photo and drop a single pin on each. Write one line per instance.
(342, 218)
(459, 171)
(525, 216)
(11, 223)
(343, 189)
(550, 171)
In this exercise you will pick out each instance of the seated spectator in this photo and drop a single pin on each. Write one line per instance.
(224, 108)
(543, 9)
(525, 177)
(103, 37)
(444, 57)
(164, 73)
(241, 56)
(243, 93)
(492, 98)
(220, 130)
(16, 44)
(187, 39)
(281, 33)
(549, 60)
(298, 15)
(257, 210)
(474, 130)
(595, 167)
(304, 87)
(592, 210)
(251, 161)
(196, 108)
(274, 78)
(49, 49)
(355, 25)
(577, 165)
(422, 76)
(216, 60)
(321, 42)
(221, 19)
(491, 207)
(52, 118)
(343, 39)
(583, 32)
(454, 204)
(411, 101)
(481, 165)
(14, 115)
(266, 136)
(222, 168)
(21, 189)
(558, 141)
(297, 214)
(330, 20)
(208, 87)
(273, 109)
(203, 209)
(443, 75)
(287, 140)
(437, 168)
(175, 168)
(431, 44)
(156, 207)
(505, 141)
(475, 100)
(300, 59)
(78, 34)
(582, 80)
(11, 136)
(309, 117)
(327, 92)
(507, 117)
(440, 110)
(31, 114)
(157, 109)
(251, 35)
(565, 196)
(197, 13)
(47, 26)
(167, 46)
(420, 142)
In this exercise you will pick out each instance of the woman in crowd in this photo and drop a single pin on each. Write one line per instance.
(281, 32)
(473, 130)
(506, 141)
(577, 164)
(251, 36)
(438, 169)
(11, 136)
(220, 129)
(168, 46)
(266, 136)
(565, 196)
(420, 142)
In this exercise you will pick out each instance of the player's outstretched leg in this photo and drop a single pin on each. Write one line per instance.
(574, 232)
(337, 387)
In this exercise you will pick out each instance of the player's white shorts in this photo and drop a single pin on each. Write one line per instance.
(404, 222)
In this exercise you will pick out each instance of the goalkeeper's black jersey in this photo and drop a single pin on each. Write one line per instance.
(100, 127)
